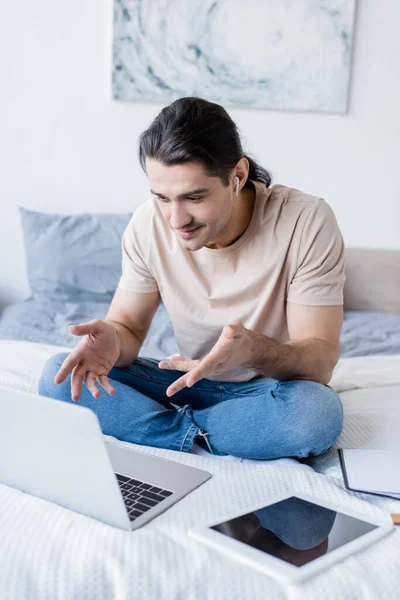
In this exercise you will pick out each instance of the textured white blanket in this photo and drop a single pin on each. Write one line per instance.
(366, 372)
(47, 552)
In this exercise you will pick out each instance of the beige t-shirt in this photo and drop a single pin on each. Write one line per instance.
(292, 250)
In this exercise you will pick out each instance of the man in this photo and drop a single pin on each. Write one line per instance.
(252, 278)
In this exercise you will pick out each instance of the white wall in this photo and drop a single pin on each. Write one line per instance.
(65, 146)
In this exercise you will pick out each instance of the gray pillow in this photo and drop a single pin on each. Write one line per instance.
(73, 257)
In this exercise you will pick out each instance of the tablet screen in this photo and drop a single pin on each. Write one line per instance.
(294, 530)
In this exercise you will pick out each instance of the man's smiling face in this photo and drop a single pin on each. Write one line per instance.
(197, 207)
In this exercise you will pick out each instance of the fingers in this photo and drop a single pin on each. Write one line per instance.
(78, 376)
(212, 364)
(92, 327)
(107, 385)
(76, 383)
(217, 361)
(202, 369)
(164, 364)
(67, 367)
(178, 364)
(200, 372)
(229, 331)
(178, 385)
(90, 381)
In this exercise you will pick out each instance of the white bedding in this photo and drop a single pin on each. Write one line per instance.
(49, 552)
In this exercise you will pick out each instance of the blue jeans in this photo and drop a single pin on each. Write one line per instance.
(259, 419)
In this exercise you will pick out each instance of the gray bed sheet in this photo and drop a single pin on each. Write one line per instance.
(365, 333)
(46, 322)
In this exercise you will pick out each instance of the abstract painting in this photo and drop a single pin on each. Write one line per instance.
(272, 54)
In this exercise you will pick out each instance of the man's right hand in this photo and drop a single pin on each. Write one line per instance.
(92, 359)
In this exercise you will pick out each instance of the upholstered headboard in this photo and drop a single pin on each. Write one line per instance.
(372, 280)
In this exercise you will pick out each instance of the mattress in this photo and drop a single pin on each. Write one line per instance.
(47, 551)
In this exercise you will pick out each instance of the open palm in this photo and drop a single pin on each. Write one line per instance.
(92, 359)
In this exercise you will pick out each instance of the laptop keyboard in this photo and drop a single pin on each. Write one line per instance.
(139, 496)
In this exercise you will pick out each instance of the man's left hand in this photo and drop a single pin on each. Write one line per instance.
(234, 348)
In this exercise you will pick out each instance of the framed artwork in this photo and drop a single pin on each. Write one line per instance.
(286, 55)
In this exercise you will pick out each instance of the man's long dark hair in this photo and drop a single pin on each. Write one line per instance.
(194, 130)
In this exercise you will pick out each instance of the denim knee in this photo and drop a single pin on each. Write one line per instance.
(49, 371)
(317, 413)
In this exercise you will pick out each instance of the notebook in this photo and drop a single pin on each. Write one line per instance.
(371, 471)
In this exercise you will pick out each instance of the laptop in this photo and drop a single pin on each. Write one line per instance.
(56, 450)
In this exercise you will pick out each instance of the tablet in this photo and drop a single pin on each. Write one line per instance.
(293, 537)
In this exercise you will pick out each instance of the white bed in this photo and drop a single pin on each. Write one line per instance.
(49, 552)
